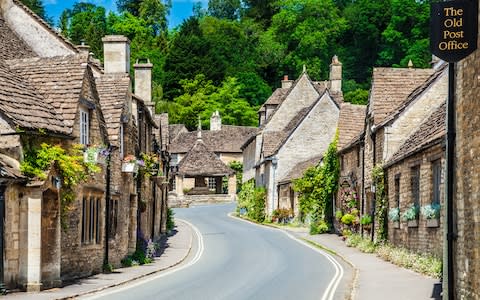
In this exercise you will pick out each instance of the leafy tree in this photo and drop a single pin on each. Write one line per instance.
(131, 6)
(308, 29)
(238, 168)
(261, 11)
(155, 12)
(224, 9)
(406, 35)
(85, 22)
(37, 7)
(253, 88)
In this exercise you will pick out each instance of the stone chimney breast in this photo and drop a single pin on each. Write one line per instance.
(215, 121)
(335, 75)
(143, 79)
(116, 53)
(286, 84)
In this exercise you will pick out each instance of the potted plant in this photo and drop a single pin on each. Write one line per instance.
(90, 155)
(130, 164)
(394, 216)
(366, 221)
(431, 212)
(411, 216)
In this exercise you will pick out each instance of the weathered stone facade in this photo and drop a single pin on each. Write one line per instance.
(467, 183)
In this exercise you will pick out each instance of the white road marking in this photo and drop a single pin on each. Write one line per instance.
(167, 272)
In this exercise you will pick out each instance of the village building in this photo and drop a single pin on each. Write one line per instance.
(466, 244)
(297, 123)
(55, 92)
(350, 153)
(195, 180)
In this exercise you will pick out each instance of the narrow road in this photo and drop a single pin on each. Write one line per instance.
(240, 261)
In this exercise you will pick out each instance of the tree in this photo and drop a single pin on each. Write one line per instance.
(37, 7)
(224, 9)
(131, 6)
(85, 22)
(154, 12)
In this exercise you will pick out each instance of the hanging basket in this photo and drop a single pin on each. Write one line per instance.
(129, 167)
(159, 180)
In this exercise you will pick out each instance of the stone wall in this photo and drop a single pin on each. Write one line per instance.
(249, 161)
(467, 188)
(420, 239)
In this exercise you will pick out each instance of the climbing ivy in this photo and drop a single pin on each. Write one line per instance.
(73, 170)
(381, 205)
(318, 187)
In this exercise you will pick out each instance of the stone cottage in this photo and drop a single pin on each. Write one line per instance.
(466, 245)
(224, 141)
(297, 123)
(54, 92)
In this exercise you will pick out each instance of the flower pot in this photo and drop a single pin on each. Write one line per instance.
(90, 157)
(433, 223)
(412, 223)
(129, 167)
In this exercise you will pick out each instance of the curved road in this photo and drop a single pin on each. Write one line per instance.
(240, 261)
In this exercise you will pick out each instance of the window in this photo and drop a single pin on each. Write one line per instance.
(173, 186)
(113, 215)
(173, 159)
(84, 126)
(358, 157)
(397, 190)
(342, 163)
(436, 180)
(415, 184)
(212, 183)
(90, 220)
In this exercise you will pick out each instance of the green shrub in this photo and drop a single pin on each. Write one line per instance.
(319, 227)
(348, 219)
(127, 262)
(338, 215)
(353, 240)
(411, 213)
(366, 219)
(366, 245)
(253, 201)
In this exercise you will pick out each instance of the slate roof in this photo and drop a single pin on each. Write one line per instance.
(228, 139)
(164, 130)
(350, 123)
(300, 168)
(11, 46)
(431, 132)
(23, 106)
(391, 86)
(58, 79)
(416, 93)
(175, 129)
(200, 161)
(10, 168)
(276, 98)
(113, 91)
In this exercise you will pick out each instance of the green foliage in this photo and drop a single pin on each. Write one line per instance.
(381, 204)
(394, 214)
(338, 215)
(366, 219)
(37, 7)
(170, 219)
(411, 213)
(238, 168)
(431, 211)
(318, 186)
(107, 268)
(348, 219)
(319, 227)
(73, 170)
(358, 96)
(282, 215)
(253, 201)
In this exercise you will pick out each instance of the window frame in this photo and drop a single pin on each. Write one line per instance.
(436, 181)
(415, 184)
(84, 126)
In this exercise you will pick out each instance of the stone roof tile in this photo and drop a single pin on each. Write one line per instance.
(350, 123)
(24, 106)
(11, 46)
(200, 161)
(300, 168)
(391, 86)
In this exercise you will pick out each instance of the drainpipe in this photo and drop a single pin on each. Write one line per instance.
(274, 161)
(139, 178)
(2, 232)
(107, 206)
(374, 188)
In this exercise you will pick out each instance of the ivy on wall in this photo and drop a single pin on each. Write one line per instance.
(318, 187)
(381, 204)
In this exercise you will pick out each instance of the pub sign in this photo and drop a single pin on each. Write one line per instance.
(453, 29)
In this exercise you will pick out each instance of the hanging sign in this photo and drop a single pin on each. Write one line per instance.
(453, 29)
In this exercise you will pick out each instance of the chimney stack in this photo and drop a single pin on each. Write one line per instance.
(335, 75)
(286, 84)
(215, 121)
(116, 54)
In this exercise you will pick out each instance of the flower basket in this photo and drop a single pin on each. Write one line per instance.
(159, 180)
(90, 156)
(432, 223)
(412, 223)
(129, 167)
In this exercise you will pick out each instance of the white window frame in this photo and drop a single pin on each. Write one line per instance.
(84, 126)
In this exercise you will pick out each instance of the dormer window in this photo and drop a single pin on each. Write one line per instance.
(84, 126)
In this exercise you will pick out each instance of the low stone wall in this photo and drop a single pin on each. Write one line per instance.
(187, 200)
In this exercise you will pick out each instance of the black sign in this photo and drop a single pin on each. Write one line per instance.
(453, 29)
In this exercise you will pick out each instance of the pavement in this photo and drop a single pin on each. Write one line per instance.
(176, 250)
(374, 278)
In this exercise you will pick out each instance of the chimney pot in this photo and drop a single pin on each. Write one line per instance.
(116, 53)
(286, 83)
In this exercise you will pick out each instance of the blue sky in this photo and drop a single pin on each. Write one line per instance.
(181, 9)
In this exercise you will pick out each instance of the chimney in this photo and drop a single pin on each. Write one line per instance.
(335, 75)
(116, 54)
(143, 79)
(286, 84)
(83, 48)
(215, 121)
